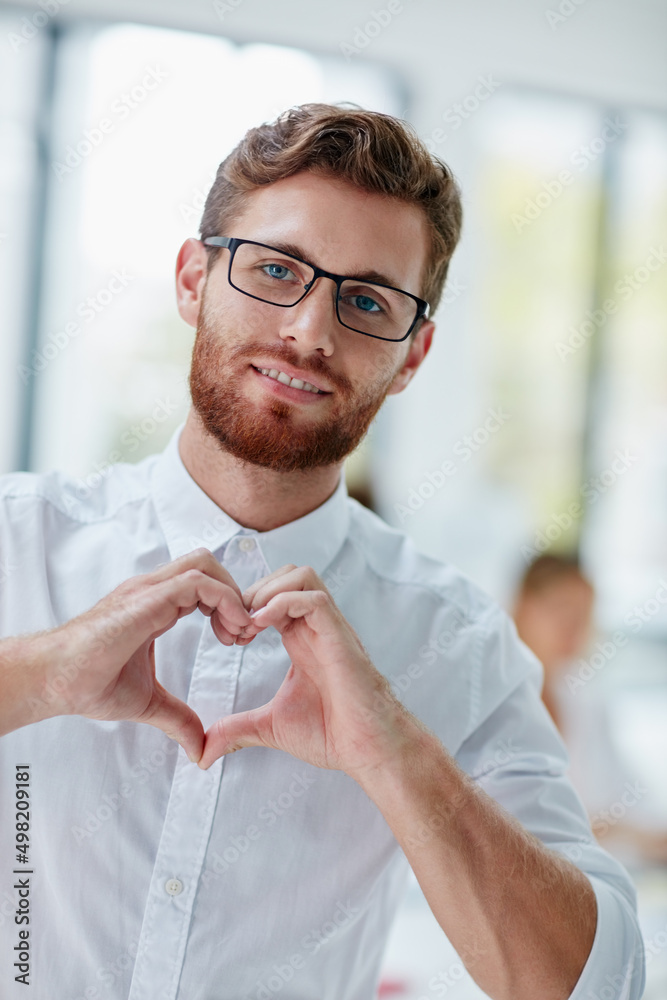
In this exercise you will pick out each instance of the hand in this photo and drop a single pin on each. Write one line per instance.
(101, 664)
(326, 710)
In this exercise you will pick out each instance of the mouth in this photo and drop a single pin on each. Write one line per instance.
(282, 382)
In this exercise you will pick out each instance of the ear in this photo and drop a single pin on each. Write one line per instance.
(190, 279)
(418, 350)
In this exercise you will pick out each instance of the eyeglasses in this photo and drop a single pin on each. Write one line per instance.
(271, 275)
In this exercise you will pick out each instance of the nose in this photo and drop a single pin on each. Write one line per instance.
(313, 322)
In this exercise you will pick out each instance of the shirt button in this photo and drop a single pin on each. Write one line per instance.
(174, 886)
(247, 544)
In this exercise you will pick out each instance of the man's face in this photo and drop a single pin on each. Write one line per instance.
(252, 415)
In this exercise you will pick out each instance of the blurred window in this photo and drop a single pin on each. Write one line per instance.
(569, 232)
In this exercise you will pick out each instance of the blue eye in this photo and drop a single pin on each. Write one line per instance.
(365, 303)
(276, 270)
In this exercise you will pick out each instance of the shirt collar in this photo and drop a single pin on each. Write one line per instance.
(190, 519)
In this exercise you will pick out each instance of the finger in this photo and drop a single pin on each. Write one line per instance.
(243, 640)
(201, 559)
(284, 608)
(249, 631)
(290, 578)
(245, 729)
(226, 637)
(177, 720)
(249, 592)
(195, 587)
(134, 614)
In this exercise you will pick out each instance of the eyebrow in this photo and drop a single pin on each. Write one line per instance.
(376, 277)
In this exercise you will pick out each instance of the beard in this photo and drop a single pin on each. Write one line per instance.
(267, 434)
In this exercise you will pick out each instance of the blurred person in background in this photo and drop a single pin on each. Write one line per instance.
(553, 613)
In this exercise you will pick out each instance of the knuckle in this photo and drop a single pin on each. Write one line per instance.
(200, 556)
(193, 574)
(320, 599)
(201, 552)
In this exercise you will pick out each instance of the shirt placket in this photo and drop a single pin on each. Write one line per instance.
(191, 807)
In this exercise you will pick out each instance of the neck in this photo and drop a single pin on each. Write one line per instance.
(254, 497)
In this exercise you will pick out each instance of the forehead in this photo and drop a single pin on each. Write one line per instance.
(339, 227)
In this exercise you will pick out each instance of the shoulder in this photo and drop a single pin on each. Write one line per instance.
(438, 630)
(392, 557)
(86, 500)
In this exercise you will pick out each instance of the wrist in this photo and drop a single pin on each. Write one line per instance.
(54, 673)
(24, 665)
(405, 750)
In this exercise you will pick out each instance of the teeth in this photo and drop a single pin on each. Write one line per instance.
(295, 383)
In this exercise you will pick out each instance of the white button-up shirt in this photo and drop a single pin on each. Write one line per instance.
(264, 876)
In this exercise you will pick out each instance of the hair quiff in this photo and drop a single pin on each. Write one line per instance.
(374, 151)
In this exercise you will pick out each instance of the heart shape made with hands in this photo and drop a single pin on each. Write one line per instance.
(333, 708)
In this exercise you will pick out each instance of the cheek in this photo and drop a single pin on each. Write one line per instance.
(378, 366)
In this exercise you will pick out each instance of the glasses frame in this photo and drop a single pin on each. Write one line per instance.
(232, 243)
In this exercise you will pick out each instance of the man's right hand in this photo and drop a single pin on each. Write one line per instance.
(101, 664)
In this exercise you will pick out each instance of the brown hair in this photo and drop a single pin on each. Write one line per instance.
(374, 151)
(548, 569)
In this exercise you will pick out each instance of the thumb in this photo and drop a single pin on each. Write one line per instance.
(245, 729)
(177, 720)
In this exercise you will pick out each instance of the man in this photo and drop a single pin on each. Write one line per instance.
(363, 705)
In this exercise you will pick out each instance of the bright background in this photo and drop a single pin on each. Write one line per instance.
(511, 95)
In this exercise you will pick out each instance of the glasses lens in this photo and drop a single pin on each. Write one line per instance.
(269, 275)
(376, 310)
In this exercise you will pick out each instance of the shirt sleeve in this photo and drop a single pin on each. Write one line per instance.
(517, 756)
